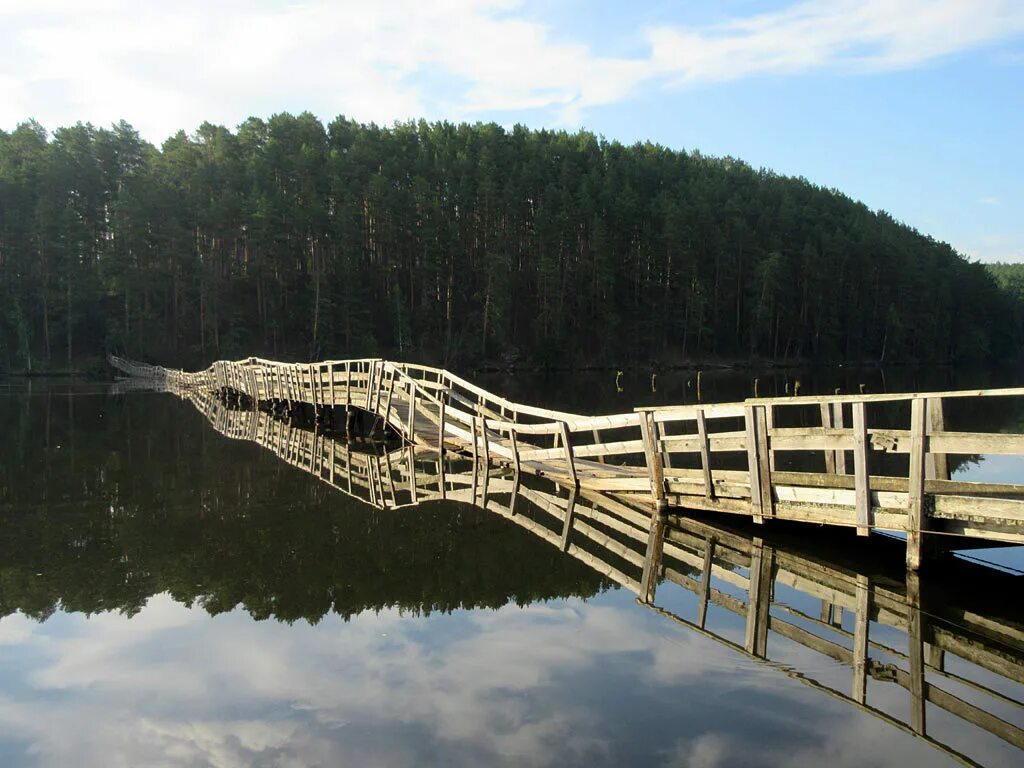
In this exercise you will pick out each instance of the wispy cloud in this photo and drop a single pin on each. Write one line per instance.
(989, 200)
(851, 35)
(165, 67)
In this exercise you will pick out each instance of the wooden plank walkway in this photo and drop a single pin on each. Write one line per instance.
(715, 457)
(729, 570)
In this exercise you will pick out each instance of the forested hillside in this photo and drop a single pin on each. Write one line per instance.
(456, 244)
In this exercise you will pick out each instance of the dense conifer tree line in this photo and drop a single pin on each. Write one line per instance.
(460, 245)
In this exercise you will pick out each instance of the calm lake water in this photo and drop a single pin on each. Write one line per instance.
(173, 596)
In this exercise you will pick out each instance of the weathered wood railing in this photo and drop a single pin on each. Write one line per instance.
(727, 569)
(716, 457)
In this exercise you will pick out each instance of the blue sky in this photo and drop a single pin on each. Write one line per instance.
(914, 106)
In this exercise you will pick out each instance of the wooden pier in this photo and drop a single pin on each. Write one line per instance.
(873, 462)
(880, 627)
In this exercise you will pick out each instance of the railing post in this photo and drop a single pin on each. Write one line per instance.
(412, 474)
(705, 454)
(348, 385)
(440, 429)
(515, 495)
(837, 421)
(484, 441)
(391, 392)
(411, 424)
(655, 471)
(487, 458)
(763, 452)
(937, 467)
(597, 441)
(916, 517)
(826, 424)
(370, 376)
(659, 434)
(515, 450)
(754, 460)
(476, 453)
(570, 459)
(861, 472)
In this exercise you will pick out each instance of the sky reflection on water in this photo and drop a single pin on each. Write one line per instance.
(598, 682)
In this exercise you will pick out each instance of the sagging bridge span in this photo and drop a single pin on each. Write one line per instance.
(873, 462)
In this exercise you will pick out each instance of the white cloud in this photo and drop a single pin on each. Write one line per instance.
(859, 35)
(168, 66)
(989, 200)
(534, 686)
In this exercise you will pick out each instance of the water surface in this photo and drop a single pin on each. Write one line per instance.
(173, 596)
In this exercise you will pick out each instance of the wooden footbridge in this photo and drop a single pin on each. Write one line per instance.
(867, 632)
(873, 462)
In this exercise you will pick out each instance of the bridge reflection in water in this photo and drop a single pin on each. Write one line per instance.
(954, 644)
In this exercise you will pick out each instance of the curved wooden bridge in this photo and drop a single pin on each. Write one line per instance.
(871, 462)
(867, 632)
